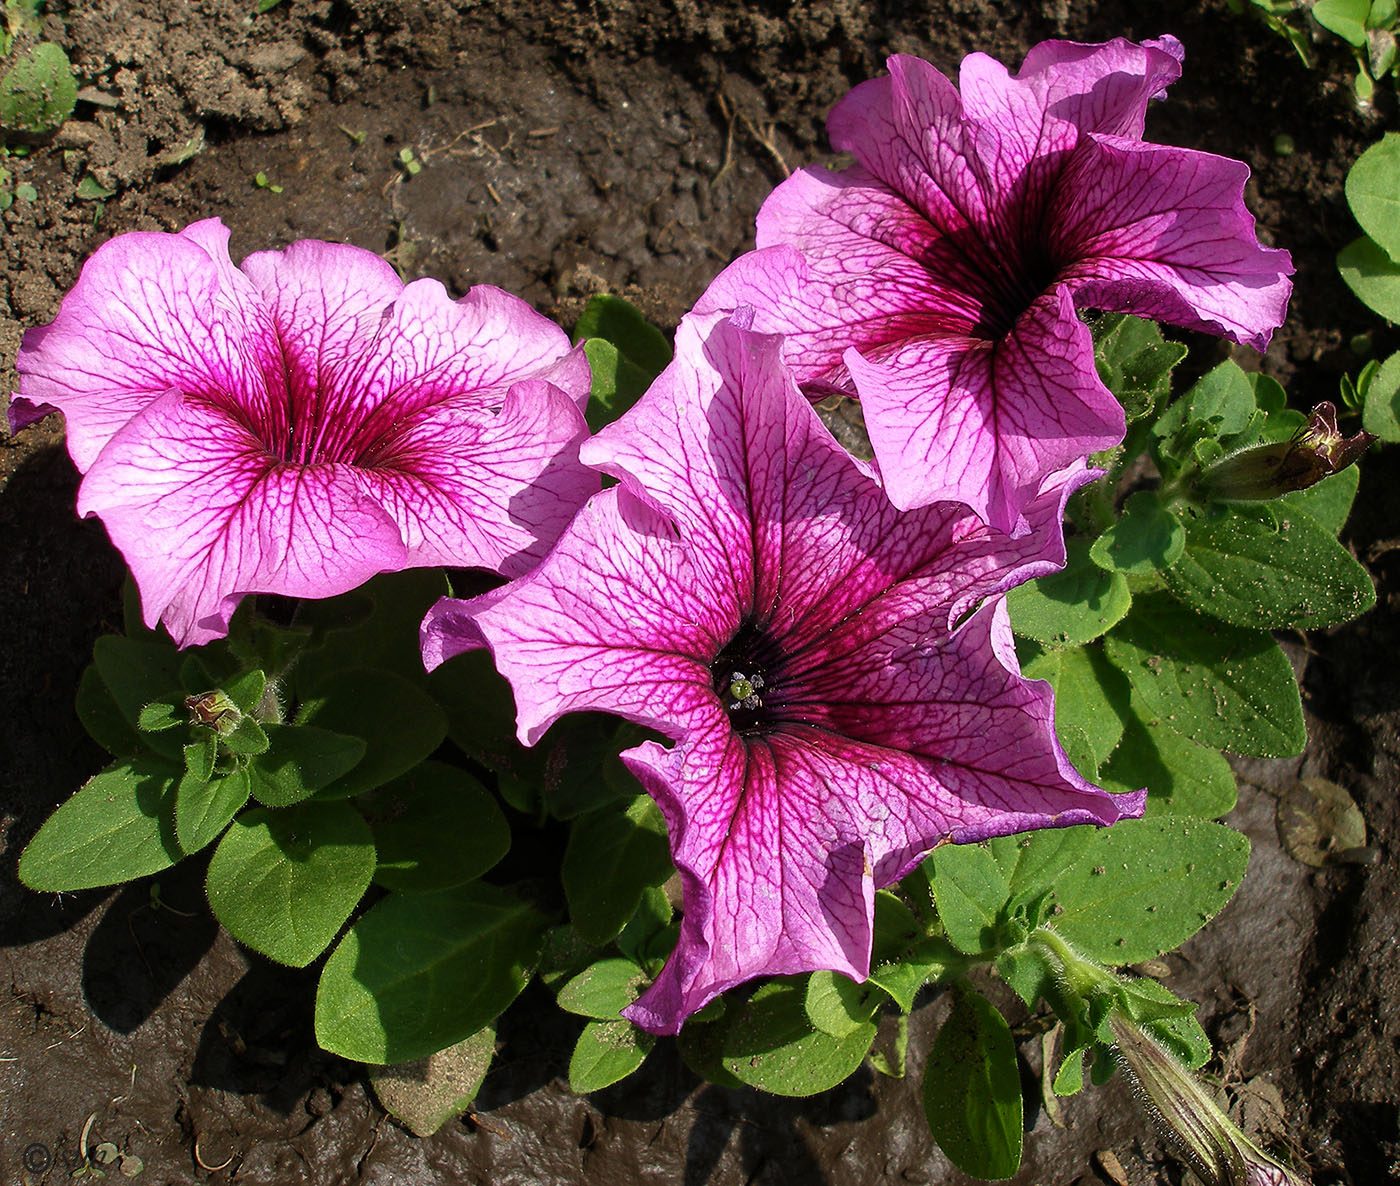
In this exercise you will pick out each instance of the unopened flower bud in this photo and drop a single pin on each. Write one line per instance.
(214, 710)
(1316, 451)
(1188, 1119)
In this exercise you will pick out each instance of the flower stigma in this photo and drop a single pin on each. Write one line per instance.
(742, 678)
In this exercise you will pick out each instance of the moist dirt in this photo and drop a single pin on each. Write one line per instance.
(624, 146)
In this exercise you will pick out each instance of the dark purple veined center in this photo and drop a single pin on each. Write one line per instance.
(1011, 291)
(984, 281)
(325, 428)
(747, 678)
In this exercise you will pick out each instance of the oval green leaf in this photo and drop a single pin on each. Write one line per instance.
(118, 826)
(434, 828)
(1372, 275)
(284, 881)
(972, 1090)
(1250, 568)
(607, 1051)
(1070, 607)
(399, 723)
(769, 1043)
(1143, 887)
(1373, 193)
(421, 971)
(1219, 685)
(612, 856)
(204, 807)
(299, 761)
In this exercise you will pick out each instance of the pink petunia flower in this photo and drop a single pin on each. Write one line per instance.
(838, 676)
(303, 423)
(939, 276)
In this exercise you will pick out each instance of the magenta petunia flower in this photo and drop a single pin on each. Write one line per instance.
(838, 676)
(939, 275)
(302, 423)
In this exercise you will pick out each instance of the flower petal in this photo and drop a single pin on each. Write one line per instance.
(775, 879)
(470, 487)
(984, 423)
(1063, 88)
(1164, 233)
(617, 618)
(150, 311)
(204, 516)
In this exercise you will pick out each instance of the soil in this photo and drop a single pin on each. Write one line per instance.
(569, 149)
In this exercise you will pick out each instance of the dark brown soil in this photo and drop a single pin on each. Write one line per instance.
(568, 149)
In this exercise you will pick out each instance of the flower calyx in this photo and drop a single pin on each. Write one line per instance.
(1316, 451)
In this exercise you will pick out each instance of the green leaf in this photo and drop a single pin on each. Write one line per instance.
(398, 721)
(299, 761)
(603, 990)
(159, 716)
(1069, 1079)
(385, 638)
(1089, 694)
(1031, 862)
(1329, 502)
(605, 1052)
(1372, 275)
(426, 1093)
(1219, 685)
(285, 881)
(118, 826)
(903, 957)
(1181, 777)
(1345, 18)
(769, 1043)
(1143, 887)
(1373, 193)
(1380, 413)
(612, 856)
(1223, 398)
(92, 190)
(1147, 539)
(200, 757)
(246, 738)
(1026, 971)
(1249, 568)
(1134, 362)
(625, 351)
(837, 1005)
(434, 828)
(421, 971)
(137, 673)
(573, 769)
(38, 92)
(972, 1090)
(246, 689)
(970, 890)
(204, 807)
(646, 936)
(102, 718)
(1070, 607)
(481, 713)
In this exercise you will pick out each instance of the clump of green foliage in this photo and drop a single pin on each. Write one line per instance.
(1371, 267)
(37, 88)
(1368, 26)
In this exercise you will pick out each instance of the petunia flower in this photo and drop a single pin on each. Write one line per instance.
(302, 423)
(837, 676)
(939, 276)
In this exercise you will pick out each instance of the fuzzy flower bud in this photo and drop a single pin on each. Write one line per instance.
(1316, 451)
(1188, 1119)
